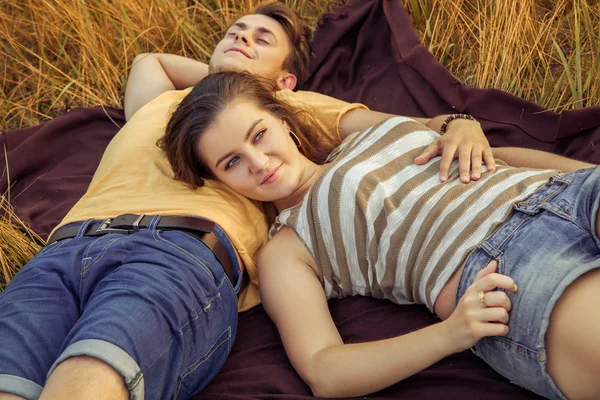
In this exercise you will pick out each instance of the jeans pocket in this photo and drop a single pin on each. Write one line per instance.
(537, 202)
(52, 246)
(177, 239)
(198, 375)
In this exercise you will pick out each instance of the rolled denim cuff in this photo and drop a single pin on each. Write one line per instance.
(20, 386)
(111, 355)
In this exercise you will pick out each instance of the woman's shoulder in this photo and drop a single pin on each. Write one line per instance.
(338, 150)
(283, 244)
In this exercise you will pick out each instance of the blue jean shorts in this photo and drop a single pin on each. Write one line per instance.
(155, 305)
(547, 243)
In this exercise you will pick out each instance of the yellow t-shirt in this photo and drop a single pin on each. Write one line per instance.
(135, 177)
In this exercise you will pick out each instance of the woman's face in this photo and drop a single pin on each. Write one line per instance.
(252, 152)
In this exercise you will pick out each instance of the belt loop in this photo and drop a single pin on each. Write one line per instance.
(136, 223)
(155, 220)
(231, 255)
(83, 228)
(490, 249)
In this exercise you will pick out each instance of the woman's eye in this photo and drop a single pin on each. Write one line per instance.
(259, 135)
(263, 41)
(231, 162)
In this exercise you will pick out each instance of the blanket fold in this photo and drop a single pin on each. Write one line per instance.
(367, 51)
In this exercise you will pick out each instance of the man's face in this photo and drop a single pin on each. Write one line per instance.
(254, 43)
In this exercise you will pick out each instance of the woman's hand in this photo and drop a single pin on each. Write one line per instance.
(463, 139)
(481, 311)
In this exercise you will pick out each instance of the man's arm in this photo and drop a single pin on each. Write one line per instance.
(519, 157)
(463, 139)
(359, 119)
(153, 74)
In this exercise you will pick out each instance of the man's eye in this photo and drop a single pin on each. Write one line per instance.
(231, 162)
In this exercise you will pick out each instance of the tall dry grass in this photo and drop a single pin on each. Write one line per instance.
(546, 51)
(19, 243)
(76, 53)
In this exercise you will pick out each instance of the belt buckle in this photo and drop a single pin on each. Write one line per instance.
(105, 227)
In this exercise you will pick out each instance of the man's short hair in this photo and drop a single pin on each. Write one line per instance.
(297, 30)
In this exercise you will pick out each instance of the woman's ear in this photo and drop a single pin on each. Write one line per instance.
(285, 124)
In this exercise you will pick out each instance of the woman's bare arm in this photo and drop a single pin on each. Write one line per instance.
(294, 299)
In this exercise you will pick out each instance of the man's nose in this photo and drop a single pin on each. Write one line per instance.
(243, 36)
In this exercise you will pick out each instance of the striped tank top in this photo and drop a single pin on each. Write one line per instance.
(378, 225)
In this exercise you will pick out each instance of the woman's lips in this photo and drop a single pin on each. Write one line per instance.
(272, 177)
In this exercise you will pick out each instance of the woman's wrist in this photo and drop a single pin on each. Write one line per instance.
(452, 117)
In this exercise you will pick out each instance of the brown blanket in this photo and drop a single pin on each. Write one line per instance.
(365, 51)
(49, 167)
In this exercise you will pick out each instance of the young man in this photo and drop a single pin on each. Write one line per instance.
(137, 292)
(274, 42)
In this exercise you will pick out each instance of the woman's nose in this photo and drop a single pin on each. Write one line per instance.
(258, 162)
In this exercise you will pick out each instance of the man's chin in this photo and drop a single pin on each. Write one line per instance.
(236, 67)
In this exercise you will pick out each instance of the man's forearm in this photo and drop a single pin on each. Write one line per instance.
(359, 119)
(519, 157)
(154, 74)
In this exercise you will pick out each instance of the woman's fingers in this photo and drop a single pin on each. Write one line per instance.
(490, 268)
(493, 281)
(476, 160)
(496, 299)
(488, 157)
(464, 163)
(447, 156)
(494, 314)
(493, 329)
(431, 151)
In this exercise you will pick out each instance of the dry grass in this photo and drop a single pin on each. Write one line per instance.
(546, 51)
(76, 53)
(19, 243)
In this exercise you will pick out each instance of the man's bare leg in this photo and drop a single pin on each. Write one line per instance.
(84, 378)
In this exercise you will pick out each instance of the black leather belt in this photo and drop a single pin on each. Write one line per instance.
(129, 223)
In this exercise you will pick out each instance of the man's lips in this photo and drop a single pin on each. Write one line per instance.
(238, 50)
(272, 176)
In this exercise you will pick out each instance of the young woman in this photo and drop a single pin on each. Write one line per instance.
(367, 221)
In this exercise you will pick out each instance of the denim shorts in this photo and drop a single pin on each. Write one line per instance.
(155, 305)
(547, 243)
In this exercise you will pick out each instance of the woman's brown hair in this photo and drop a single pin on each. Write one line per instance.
(201, 107)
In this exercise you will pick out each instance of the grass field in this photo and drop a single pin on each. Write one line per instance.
(76, 53)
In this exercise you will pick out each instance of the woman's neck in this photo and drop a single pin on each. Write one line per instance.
(311, 173)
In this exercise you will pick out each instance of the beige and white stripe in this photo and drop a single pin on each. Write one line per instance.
(379, 225)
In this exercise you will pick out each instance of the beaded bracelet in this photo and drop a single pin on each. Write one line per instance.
(452, 118)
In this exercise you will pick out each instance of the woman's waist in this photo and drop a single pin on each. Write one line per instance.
(445, 302)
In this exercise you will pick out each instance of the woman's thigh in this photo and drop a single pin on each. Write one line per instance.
(573, 339)
(548, 247)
